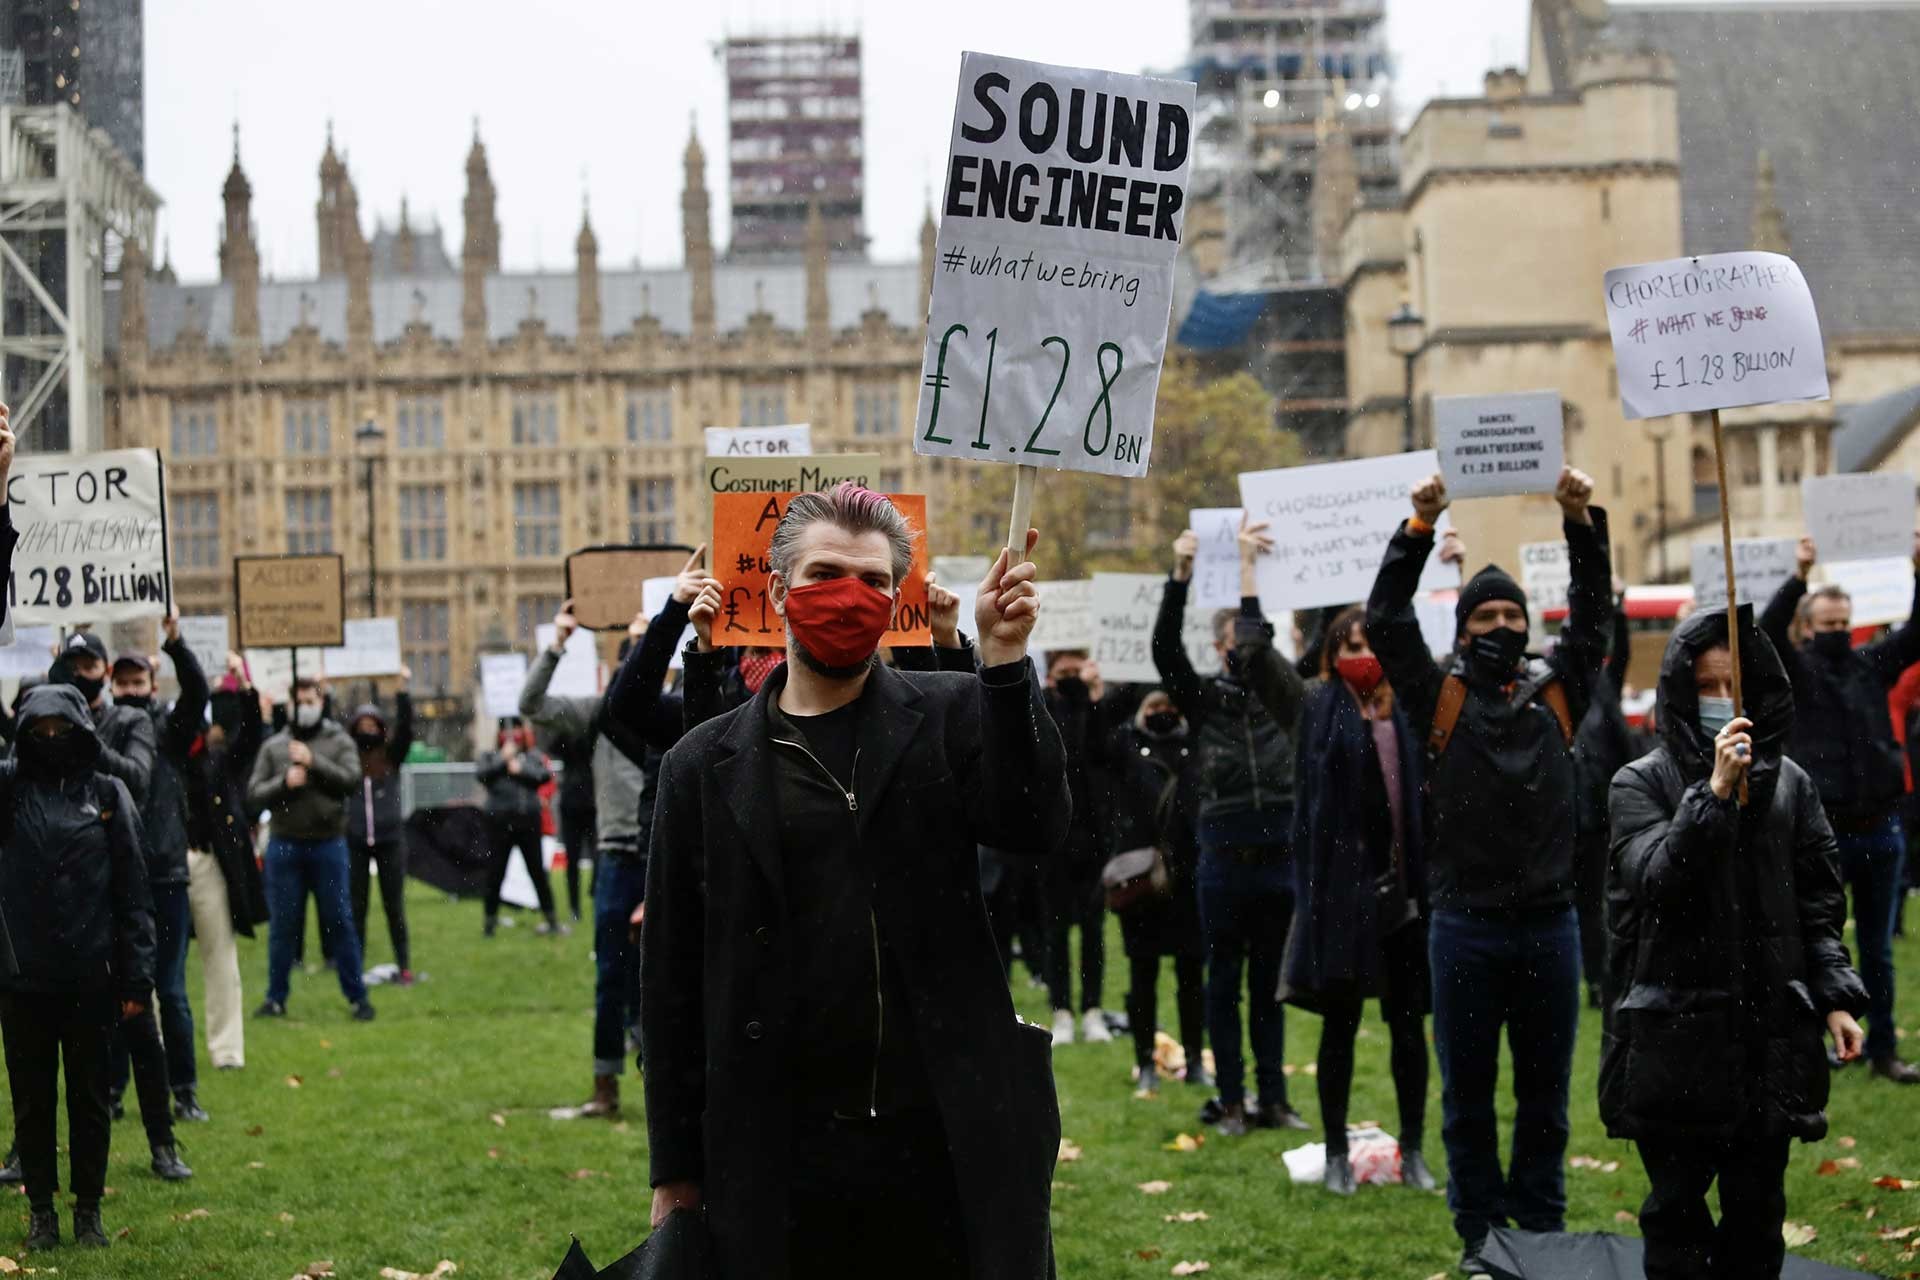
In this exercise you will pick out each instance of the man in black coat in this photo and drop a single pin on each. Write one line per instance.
(834, 1066)
(1504, 942)
(1843, 737)
(1712, 1060)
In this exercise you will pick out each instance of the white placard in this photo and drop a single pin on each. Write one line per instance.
(952, 571)
(654, 594)
(271, 671)
(372, 648)
(1714, 332)
(1438, 627)
(1331, 525)
(92, 542)
(1881, 590)
(1760, 565)
(1862, 516)
(210, 638)
(1490, 446)
(502, 676)
(794, 440)
(1125, 606)
(578, 674)
(1053, 274)
(1546, 575)
(1216, 567)
(1066, 617)
(29, 654)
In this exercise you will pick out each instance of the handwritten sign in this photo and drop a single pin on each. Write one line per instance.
(1881, 590)
(1331, 524)
(792, 441)
(286, 601)
(1863, 516)
(371, 647)
(743, 525)
(788, 475)
(93, 544)
(1760, 565)
(206, 634)
(1714, 332)
(270, 671)
(1066, 617)
(607, 584)
(1066, 195)
(658, 592)
(502, 676)
(1216, 568)
(1125, 607)
(1490, 446)
(1546, 575)
(578, 673)
(30, 653)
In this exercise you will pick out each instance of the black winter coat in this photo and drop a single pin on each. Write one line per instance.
(1605, 742)
(1501, 798)
(378, 794)
(1843, 728)
(1143, 814)
(1723, 924)
(961, 760)
(219, 820)
(509, 794)
(75, 911)
(175, 729)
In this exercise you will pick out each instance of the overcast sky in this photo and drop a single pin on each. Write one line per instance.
(594, 98)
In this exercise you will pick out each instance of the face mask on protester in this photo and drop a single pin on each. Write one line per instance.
(89, 690)
(1361, 671)
(142, 701)
(839, 621)
(1494, 655)
(370, 741)
(756, 667)
(61, 753)
(306, 715)
(1832, 644)
(1714, 715)
(1163, 724)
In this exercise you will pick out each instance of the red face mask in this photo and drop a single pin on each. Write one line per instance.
(839, 621)
(1362, 672)
(757, 665)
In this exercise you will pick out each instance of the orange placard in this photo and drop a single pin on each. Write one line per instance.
(743, 525)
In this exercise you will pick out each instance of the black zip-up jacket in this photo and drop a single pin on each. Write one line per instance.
(1843, 728)
(512, 795)
(1723, 923)
(176, 729)
(378, 794)
(75, 911)
(1501, 797)
(1244, 720)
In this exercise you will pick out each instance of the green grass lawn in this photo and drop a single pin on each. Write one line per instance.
(426, 1136)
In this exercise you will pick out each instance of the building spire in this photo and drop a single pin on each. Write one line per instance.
(586, 249)
(697, 235)
(929, 237)
(1769, 221)
(818, 256)
(239, 256)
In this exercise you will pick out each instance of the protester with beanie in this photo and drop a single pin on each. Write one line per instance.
(1504, 942)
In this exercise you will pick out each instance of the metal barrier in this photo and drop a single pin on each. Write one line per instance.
(436, 786)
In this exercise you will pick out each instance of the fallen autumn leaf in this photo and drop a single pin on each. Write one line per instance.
(1069, 1150)
(1798, 1235)
(1191, 1268)
(1158, 1187)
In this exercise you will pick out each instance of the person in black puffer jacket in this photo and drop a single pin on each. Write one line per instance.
(376, 835)
(513, 776)
(1726, 960)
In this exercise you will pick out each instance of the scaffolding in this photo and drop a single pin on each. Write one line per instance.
(69, 200)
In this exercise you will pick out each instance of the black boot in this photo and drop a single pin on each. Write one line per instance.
(167, 1164)
(187, 1107)
(88, 1231)
(363, 1012)
(43, 1230)
(11, 1175)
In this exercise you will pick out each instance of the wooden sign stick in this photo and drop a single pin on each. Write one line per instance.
(1733, 605)
(1024, 479)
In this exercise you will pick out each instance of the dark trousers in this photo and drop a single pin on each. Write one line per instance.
(1871, 864)
(1143, 1005)
(1591, 854)
(41, 1030)
(875, 1200)
(136, 1043)
(294, 868)
(171, 1065)
(1246, 910)
(1407, 1031)
(619, 885)
(1522, 973)
(581, 840)
(1073, 896)
(389, 861)
(1683, 1243)
(508, 832)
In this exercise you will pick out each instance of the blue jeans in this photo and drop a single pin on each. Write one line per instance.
(1871, 863)
(295, 868)
(1246, 907)
(1523, 973)
(172, 922)
(619, 885)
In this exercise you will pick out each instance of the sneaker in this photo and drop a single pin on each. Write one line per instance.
(1892, 1068)
(1278, 1115)
(363, 1012)
(1093, 1028)
(168, 1166)
(43, 1230)
(1233, 1121)
(1339, 1176)
(88, 1232)
(271, 1009)
(1062, 1027)
(1414, 1172)
(187, 1107)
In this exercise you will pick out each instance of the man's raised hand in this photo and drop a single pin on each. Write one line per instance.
(1573, 493)
(564, 625)
(1006, 608)
(1430, 499)
(943, 614)
(686, 586)
(703, 614)
(1185, 548)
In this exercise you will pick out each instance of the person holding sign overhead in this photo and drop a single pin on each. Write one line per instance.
(835, 1072)
(1503, 942)
(1843, 736)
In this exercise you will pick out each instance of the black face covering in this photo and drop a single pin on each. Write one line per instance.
(59, 755)
(1832, 645)
(141, 700)
(89, 690)
(1163, 724)
(1068, 686)
(1493, 656)
(369, 741)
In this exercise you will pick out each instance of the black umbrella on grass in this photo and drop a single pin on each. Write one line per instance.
(1523, 1255)
(677, 1251)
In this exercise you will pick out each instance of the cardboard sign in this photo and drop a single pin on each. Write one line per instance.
(93, 538)
(743, 525)
(1490, 446)
(1714, 332)
(270, 671)
(608, 584)
(1331, 525)
(578, 674)
(502, 676)
(1760, 565)
(1066, 195)
(794, 441)
(658, 592)
(787, 475)
(31, 652)
(1546, 575)
(1882, 590)
(1125, 607)
(1864, 516)
(1066, 617)
(1216, 569)
(287, 601)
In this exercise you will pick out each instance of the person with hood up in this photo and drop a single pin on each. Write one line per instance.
(76, 949)
(376, 833)
(304, 777)
(1503, 940)
(1843, 737)
(1359, 928)
(127, 741)
(1726, 965)
(513, 774)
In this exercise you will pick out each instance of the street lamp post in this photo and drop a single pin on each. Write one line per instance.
(1407, 332)
(368, 436)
